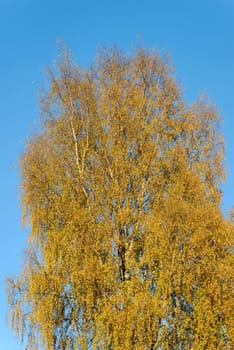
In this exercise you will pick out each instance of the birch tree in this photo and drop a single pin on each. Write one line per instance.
(128, 247)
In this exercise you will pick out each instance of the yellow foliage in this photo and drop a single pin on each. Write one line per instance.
(128, 246)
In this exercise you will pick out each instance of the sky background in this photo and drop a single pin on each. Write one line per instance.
(197, 34)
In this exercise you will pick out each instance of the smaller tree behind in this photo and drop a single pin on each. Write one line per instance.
(128, 246)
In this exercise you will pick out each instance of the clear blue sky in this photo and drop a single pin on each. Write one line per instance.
(198, 34)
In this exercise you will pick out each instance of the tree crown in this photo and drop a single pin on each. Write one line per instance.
(128, 246)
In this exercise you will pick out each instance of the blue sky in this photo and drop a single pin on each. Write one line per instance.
(198, 34)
